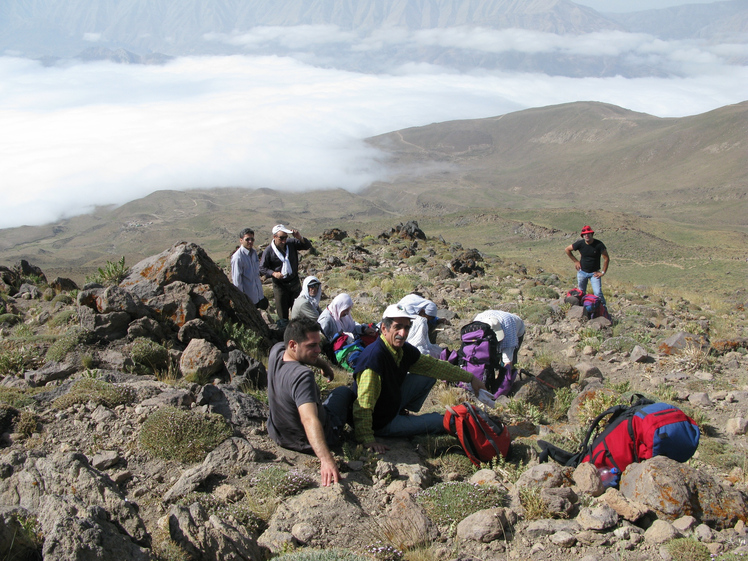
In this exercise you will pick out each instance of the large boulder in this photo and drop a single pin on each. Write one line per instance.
(213, 299)
(73, 530)
(208, 537)
(36, 477)
(672, 490)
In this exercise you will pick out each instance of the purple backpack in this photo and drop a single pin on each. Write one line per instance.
(479, 354)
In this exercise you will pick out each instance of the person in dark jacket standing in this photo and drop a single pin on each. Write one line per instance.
(280, 260)
(588, 265)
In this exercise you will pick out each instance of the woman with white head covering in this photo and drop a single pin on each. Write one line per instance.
(307, 304)
(336, 318)
(425, 311)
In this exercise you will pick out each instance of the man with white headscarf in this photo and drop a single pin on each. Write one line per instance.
(336, 318)
(280, 260)
(307, 304)
(424, 312)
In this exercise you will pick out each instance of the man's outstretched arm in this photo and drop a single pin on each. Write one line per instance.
(316, 435)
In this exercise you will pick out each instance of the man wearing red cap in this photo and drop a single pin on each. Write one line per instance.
(588, 265)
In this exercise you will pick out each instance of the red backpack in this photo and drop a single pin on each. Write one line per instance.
(594, 306)
(633, 434)
(481, 437)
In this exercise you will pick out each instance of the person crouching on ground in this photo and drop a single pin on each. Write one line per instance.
(307, 304)
(393, 379)
(336, 318)
(298, 419)
(513, 334)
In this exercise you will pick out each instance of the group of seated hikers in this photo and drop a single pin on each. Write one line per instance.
(394, 366)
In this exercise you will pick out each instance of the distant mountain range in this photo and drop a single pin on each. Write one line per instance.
(331, 31)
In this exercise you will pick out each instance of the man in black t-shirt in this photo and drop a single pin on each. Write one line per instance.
(298, 419)
(588, 265)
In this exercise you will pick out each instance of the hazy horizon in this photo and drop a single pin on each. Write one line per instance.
(78, 135)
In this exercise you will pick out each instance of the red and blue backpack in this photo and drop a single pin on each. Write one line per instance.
(633, 434)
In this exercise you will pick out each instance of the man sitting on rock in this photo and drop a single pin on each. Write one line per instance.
(393, 379)
(298, 419)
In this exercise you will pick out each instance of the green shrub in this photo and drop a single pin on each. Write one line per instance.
(250, 342)
(63, 298)
(688, 549)
(536, 313)
(67, 342)
(10, 319)
(12, 362)
(16, 397)
(187, 436)
(112, 273)
(562, 399)
(621, 344)
(322, 555)
(450, 502)
(542, 292)
(97, 391)
(27, 423)
(275, 481)
(533, 504)
(63, 318)
(149, 356)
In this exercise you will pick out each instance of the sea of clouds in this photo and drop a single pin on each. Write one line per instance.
(76, 135)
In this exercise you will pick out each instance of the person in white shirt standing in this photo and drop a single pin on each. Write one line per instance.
(245, 269)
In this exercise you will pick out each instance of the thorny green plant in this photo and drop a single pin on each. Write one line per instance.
(562, 399)
(525, 410)
(509, 471)
(114, 272)
(249, 341)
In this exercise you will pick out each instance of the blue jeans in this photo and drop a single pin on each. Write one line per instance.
(338, 407)
(597, 285)
(413, 393)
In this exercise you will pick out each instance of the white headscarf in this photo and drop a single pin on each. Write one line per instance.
(313, 300)
(338, 305)
(286, 268)
(413, 304)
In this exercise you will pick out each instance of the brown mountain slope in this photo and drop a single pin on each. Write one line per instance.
(519, 186)
(579, 154)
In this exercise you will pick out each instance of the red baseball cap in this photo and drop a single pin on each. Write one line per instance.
(587, 230)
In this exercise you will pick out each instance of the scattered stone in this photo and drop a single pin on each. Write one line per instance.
(736, 426)
(597, 518)
(639, 354)
(201, 359)
(660, 532)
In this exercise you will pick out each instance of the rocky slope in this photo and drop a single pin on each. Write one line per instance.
(133, 419)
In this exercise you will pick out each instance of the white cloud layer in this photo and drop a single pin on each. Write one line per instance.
(81, 135)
